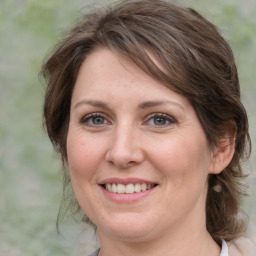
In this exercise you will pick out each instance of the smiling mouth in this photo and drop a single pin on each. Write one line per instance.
(129, 188)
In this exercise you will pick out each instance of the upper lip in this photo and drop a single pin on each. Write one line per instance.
(125, 181)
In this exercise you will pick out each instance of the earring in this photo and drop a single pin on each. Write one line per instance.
(217, 188)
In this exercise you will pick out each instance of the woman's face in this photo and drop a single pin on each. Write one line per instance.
(138, 156)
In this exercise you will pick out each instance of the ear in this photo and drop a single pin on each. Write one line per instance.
(224, 151)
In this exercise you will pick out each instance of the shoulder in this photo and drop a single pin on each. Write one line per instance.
(242, 247)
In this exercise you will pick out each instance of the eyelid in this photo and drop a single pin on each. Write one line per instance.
(169, 118)
(86, 117)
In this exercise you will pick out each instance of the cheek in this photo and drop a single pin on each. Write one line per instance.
(184, 165)
(83, 159)
(81, 154)
(182, 157)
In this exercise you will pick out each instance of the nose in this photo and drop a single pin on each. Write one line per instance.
(125, 148)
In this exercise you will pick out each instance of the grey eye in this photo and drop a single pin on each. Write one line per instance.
(94, 119)
(160, 121)
(98, 120)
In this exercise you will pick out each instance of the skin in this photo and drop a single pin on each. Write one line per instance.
(124, 124)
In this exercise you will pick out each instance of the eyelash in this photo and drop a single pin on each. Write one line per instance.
(90, 118)
(162, 116)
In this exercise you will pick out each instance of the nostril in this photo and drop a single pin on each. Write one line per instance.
(124, 159)
(122, 164)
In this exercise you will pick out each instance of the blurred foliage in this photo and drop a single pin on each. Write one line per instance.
(30, 183)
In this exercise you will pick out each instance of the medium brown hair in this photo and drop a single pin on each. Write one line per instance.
(195, 61)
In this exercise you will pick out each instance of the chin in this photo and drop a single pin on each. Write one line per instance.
(129, 228)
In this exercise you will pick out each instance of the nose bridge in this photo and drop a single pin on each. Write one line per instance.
(124, 135)
(125, 149)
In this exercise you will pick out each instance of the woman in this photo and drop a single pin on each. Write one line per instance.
(143, 105)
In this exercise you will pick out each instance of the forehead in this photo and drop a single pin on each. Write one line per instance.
(106, 73)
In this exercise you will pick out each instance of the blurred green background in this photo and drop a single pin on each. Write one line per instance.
(30, 176)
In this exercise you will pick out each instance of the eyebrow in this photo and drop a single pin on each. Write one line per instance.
(95, 103)
(142, 105)
(150, 104)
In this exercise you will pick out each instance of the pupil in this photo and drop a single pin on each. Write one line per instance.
(159, 121)
(98, 120)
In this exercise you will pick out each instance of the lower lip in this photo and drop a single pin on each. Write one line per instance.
(127, 198)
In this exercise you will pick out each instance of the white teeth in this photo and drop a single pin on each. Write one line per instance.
(137, 188)
(109, 187)
(128, 189)
(143, 186)
(114, 188)
(120, 188)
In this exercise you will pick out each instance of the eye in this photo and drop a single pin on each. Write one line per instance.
(94, 119)
(160, 119)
